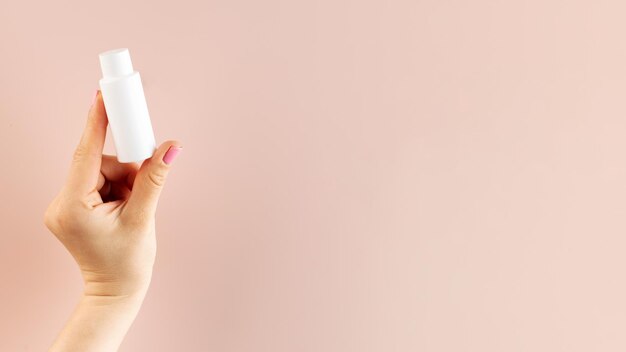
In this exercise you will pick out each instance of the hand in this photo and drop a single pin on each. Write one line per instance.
(105, 216)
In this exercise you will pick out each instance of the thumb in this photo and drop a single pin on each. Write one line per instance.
(150, 180)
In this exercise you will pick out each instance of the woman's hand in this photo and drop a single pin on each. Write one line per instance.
(105, 216)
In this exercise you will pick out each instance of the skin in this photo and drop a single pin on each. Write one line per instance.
(105, 216)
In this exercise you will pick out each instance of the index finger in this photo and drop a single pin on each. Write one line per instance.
(87, 159)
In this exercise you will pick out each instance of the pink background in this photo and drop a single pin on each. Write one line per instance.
(357, 175)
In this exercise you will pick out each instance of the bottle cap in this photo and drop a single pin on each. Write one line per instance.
(116, 63)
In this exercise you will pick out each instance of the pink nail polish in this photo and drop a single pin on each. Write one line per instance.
(171, 154)
(95, 95)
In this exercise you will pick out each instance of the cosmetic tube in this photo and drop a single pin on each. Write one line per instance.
(126, 107)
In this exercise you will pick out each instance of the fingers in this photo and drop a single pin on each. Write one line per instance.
(150, 180)
(85, 168)
(114, 171)
(112, 191)
(115, 179)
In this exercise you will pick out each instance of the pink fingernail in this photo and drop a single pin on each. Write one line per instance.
(95, 95)
(171, 154)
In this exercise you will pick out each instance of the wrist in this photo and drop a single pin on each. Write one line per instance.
(122, 303)
(113, 300)
(100, 321)
(121, 288)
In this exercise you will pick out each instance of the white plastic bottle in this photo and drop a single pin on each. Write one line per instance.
(126, 107)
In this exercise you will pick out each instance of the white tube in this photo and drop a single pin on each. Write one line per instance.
(126, 107)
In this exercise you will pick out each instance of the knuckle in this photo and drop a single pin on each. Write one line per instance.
(53, 217)
(80, 153)
(83, 152)
(58, 217)
(156, 178)
(49, 218)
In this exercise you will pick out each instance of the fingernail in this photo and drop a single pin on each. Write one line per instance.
(95, 96)
(171, 154)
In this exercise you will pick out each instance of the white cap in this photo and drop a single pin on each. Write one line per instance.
(116, 63)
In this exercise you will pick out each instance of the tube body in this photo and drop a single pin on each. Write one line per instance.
(126, 107)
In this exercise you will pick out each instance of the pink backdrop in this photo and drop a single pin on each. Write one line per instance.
(357, 175)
